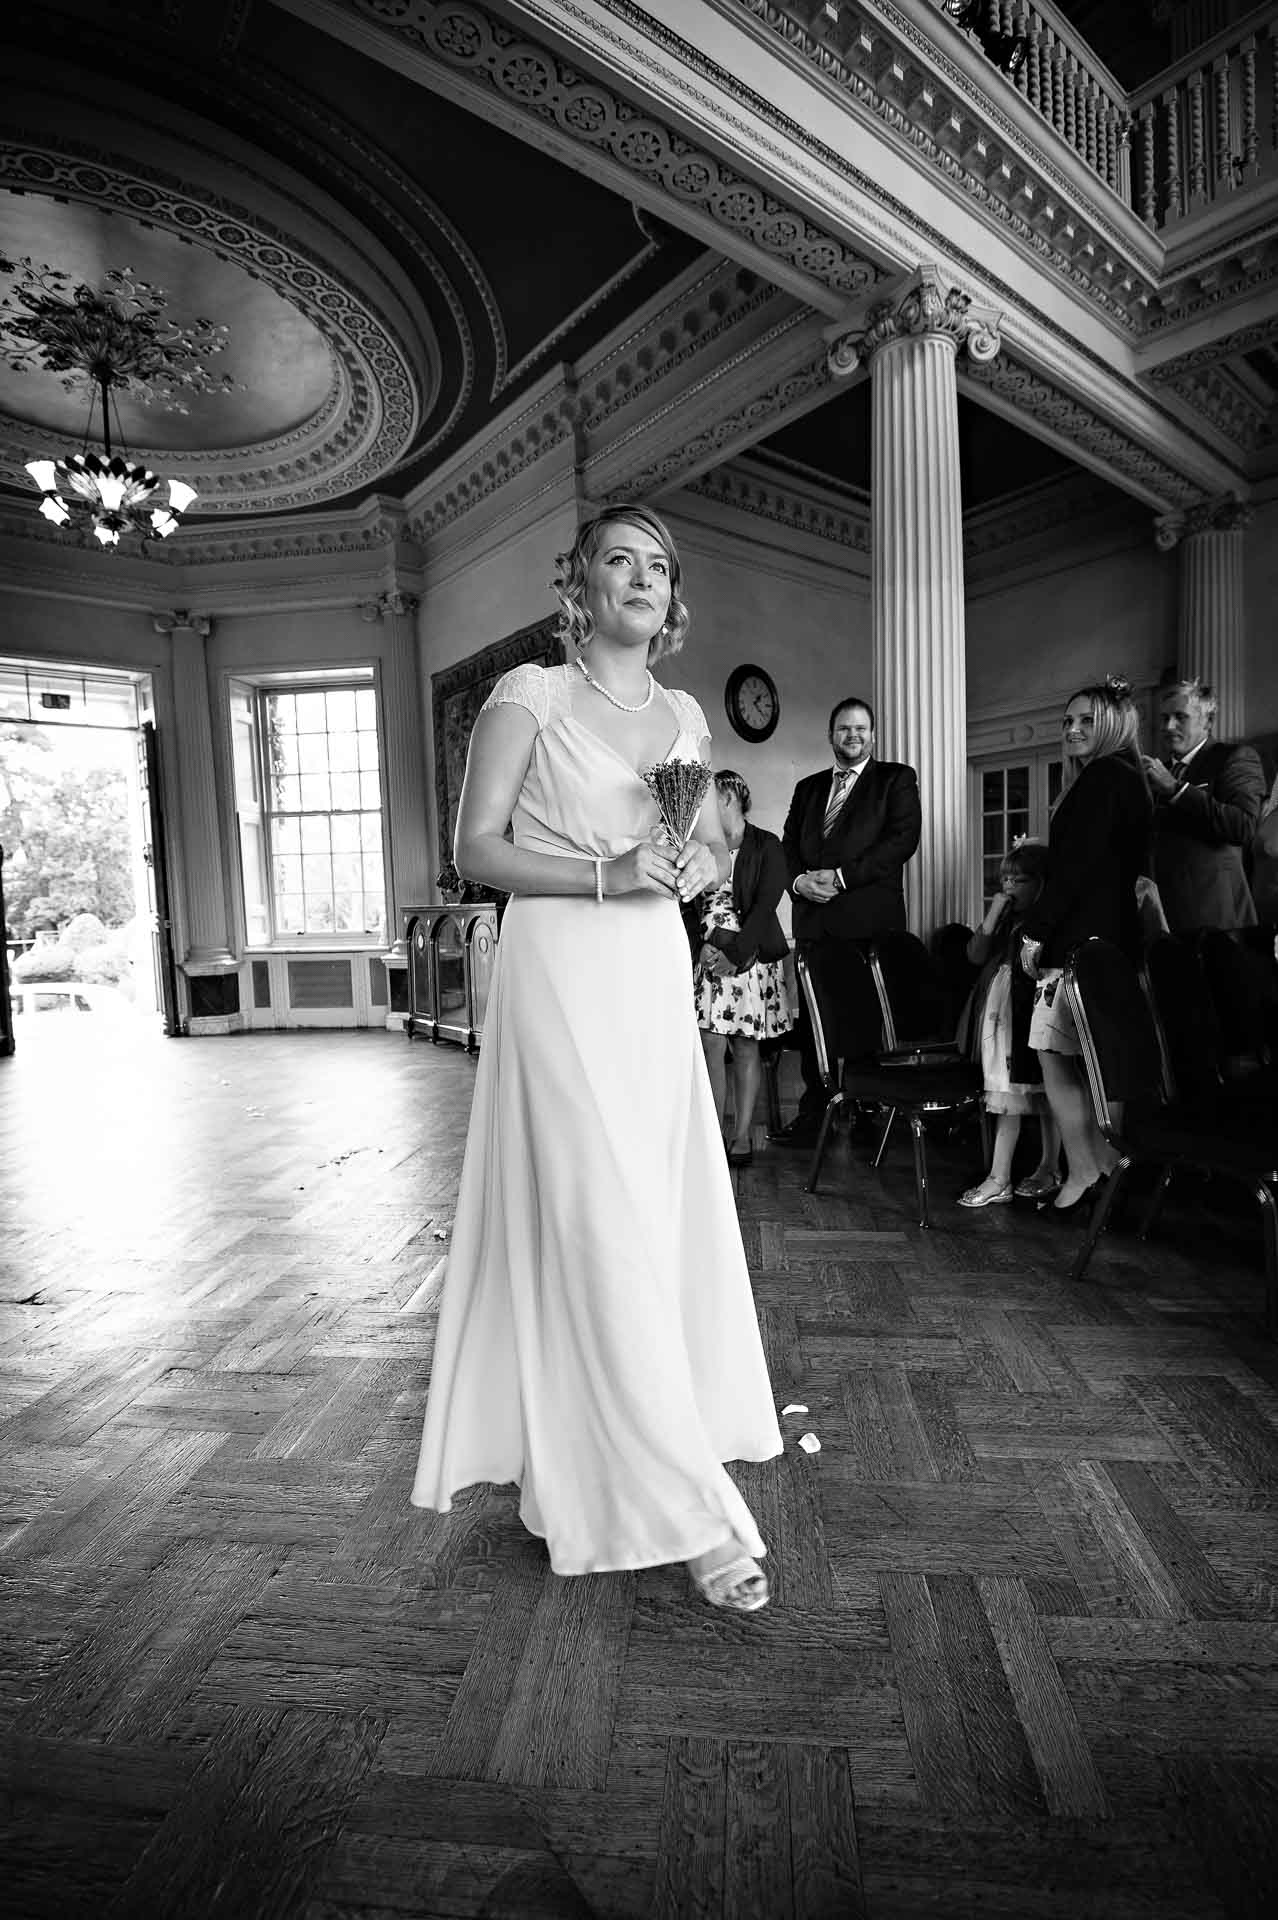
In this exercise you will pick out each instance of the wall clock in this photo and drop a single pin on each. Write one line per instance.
(752, 702)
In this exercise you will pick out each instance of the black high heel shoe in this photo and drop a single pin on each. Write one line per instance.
(1085, 1201)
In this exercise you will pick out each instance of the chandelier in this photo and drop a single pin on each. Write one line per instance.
(117, 338)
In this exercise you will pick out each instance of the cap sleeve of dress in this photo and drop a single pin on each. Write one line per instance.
(691, 718)
(522, 687)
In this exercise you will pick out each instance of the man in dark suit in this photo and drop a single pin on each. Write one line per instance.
(849, 832)
(1207, 800)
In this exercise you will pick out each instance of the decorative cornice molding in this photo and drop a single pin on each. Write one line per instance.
(924, 307)
(1229, 514)
(974, 144)
(1244, 418)
(1071, 420)
(589, 113)
(742, 426)
(750, 489)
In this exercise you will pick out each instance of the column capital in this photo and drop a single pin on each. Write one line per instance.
(179, 619)
(1228, 513)
(393, 602)
(922, 307)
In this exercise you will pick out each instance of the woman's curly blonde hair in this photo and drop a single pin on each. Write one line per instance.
(576, 624)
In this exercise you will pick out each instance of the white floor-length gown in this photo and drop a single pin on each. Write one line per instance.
(597, 1339)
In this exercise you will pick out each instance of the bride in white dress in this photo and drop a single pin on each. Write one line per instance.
(597, 1342)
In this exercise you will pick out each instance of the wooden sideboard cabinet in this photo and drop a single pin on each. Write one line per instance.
(451, 951)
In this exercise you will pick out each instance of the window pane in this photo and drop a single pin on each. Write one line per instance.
(341, 710)
(287, 794)
(288, 836)
(1017, 824)
(374, 914)
(348, 874)
(310, 713)
(345, 908)
(370, 790)
(315, 836)
(373, 872)
(312, 752)
(288, 912)
(370, 832)
(992, 791)
(315, 794)
(368, 751)
(1018, 783)
(993, 834)
(346, 833)
(346, 790)
(366, 707)
(319, 914)
(288, 873)
(317, 873)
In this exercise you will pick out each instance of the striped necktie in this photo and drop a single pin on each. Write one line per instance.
(839, 792)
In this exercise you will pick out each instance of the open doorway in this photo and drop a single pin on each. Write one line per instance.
(86, 946)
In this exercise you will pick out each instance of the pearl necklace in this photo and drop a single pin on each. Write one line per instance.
(623, 704)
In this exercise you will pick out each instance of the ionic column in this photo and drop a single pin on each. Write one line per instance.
(409, 877)
(1210, 637)
(206, 928)
(911, 342)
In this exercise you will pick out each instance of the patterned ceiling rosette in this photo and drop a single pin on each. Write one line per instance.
(382, 366)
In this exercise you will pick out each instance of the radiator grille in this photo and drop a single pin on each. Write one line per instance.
(320, 983)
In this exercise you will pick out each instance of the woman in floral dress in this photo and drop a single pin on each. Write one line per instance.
(740, 985)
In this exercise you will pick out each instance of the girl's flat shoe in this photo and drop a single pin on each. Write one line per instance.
(985, 1195)
(741, 1585)
(1037, 1187)
(740, 1156)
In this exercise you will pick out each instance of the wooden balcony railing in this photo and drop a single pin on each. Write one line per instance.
(1186, 141)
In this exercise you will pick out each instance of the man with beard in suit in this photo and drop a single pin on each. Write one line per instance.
(1207, 800)
(849, 832)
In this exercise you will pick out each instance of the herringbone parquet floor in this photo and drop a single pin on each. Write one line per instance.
(1022, 1660)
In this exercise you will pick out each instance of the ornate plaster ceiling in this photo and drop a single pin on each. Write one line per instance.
(281, 364)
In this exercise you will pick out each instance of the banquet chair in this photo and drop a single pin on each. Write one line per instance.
(1242, 980)
(915, 1078)
(1125, 1061)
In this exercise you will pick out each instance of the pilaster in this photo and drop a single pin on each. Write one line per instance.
(205, 922)
(1211, 634)
(405, 757)
(911, 342)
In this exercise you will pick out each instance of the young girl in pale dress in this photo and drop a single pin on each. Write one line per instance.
(1013, 1078)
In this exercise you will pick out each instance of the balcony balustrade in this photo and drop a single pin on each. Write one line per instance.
(1186, 141)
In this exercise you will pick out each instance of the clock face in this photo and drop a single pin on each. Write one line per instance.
(752, 702)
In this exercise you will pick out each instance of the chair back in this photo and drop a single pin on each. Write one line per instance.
(914, 1001)
(1185, 1018)
(949, 946)
(823, 1023)
(1116, 1029)
(1243, 983)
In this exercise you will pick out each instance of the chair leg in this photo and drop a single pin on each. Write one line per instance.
(920, 1168)
(1156, 1199)
(772, 1092)
(1101, 1211)
(823, 1137)
(1269, 1226)
(887, 1128)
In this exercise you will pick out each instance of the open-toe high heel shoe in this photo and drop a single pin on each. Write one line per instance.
(740, 1585)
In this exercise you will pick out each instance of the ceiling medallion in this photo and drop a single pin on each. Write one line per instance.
(120, 337)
